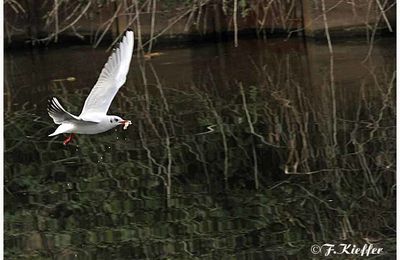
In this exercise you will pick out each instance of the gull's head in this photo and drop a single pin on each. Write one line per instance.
(116, 120)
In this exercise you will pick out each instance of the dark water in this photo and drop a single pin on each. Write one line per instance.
(255, 152)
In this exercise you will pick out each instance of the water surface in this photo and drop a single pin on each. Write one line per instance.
(253, 152)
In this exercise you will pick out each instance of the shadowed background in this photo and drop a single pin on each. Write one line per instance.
(249, 152)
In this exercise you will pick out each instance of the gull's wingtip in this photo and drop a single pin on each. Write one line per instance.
(129, 34)
(129, 31)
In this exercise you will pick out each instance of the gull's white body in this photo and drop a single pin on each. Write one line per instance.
(84, 127)
(93, 118)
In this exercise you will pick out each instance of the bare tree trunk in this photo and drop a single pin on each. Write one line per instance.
(33, 19)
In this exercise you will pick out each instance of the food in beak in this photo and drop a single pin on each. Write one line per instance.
(126, 123)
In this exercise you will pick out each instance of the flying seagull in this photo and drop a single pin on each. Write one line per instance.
(93, 118)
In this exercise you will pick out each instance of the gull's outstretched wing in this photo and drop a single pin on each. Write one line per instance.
(58, 113)
(112, 77)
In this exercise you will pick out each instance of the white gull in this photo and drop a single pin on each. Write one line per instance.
(93, 118)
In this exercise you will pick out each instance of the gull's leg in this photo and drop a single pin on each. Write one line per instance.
(66, 141)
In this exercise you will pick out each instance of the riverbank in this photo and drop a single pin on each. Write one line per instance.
(158, 23)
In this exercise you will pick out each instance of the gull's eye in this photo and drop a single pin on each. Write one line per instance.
(116, 120)
(110, 120)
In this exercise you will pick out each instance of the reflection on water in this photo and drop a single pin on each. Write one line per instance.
(250, 153)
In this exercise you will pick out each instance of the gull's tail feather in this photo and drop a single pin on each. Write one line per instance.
(64, 128)
(54, 133)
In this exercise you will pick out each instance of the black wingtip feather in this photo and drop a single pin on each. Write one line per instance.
(52, 106)
(129, 29)
(49, 102)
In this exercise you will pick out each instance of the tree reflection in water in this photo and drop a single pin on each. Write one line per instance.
(246, 160)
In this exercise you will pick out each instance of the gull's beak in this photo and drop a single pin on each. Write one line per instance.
(123, 122)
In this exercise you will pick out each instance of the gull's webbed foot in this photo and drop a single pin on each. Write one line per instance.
(69, 139)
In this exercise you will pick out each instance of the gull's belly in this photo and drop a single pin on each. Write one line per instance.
(90, 129)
